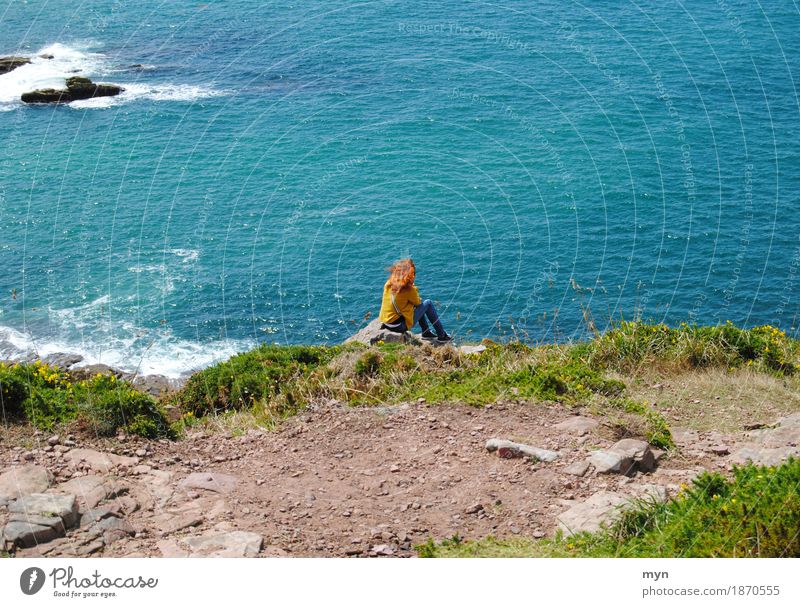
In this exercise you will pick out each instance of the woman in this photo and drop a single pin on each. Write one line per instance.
(402, 306)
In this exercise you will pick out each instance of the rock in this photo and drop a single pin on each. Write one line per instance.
(210, 481)
(227, 544)
(472, 349)
(639, 451)
(100, 462)
(53, 440)
(373, 333)
(91, 489)
(508, 449)
(763, 456)
(89, 371)
(155, 385)
(474, 509)
(8, 64)
(97, 514)
(651, 492)
(592, 514)
(177, 523)
(77, 88)
(48, 505)
(577, 468)
(382, 550)
(684, 437)
(23, 480)
(62, 360)
(611, 462)
(624, 457)
(771, 446)
(577, 425)
(115, 529)
(28, 535)
(719, 449)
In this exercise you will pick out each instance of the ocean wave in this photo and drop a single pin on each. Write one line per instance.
(129, 349)
(43, 72)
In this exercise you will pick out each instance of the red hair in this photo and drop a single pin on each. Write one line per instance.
(401, 275)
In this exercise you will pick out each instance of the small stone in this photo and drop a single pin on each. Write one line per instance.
(54, 440)
(507, 449)
(382, 550)
(578, 468)
(474, 509)
(141, 452)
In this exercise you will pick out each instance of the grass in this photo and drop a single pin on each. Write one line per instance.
(755, 514)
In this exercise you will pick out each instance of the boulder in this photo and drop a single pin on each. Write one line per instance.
(27, 535)
(23, 480)
(8, 64)
(624, 457)
(77, 88)
(591, 515)
(62, 360)
(639, 451)
(47, 505)
(611, 462)
(508, 449)
(373, 333)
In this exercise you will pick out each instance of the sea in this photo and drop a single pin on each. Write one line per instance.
(552, 168)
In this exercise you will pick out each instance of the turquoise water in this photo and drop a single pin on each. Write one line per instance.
(539, 161)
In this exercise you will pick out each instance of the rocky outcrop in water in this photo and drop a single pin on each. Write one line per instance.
(77, 88)
(8, 64)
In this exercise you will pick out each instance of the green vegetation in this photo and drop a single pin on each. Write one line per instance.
(756, 514)
(632, 345)
(48, 397)
(272, 382)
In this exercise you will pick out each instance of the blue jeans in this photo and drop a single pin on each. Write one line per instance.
(426, 312)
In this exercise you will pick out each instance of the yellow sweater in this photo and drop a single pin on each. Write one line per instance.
(405, 300)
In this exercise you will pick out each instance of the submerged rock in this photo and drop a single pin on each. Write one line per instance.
(78, 87)
(11, 63)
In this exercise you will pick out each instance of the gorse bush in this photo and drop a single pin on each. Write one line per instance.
(756, 514)
(630, 345)
(47, 396)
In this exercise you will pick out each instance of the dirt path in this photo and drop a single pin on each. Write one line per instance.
(337, 481)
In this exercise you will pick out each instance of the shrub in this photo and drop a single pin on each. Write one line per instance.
(251, 378)
(47, 396)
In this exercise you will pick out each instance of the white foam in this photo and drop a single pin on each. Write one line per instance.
(69, 61)
(129, 349)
